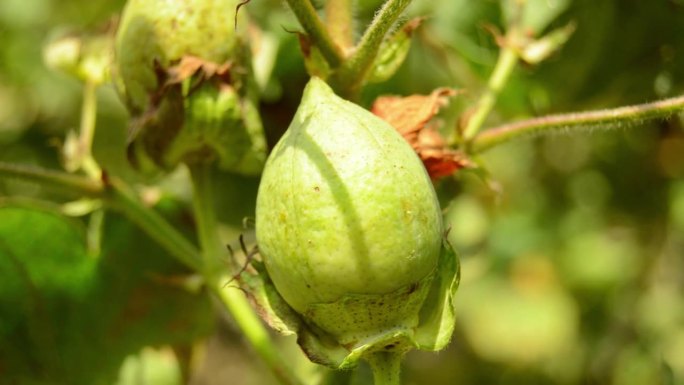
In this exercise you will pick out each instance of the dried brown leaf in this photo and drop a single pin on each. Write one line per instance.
(411, 117)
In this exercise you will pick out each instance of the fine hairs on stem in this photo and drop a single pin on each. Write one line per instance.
(582, 121)
(354, 70)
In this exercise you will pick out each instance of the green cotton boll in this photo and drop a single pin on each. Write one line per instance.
(347, 221)
(184, 71)
(165, 31)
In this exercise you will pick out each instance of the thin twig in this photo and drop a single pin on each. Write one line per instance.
(508, 58)
(75, 184)
(608, 118)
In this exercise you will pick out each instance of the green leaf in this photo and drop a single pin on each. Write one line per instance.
(60, 306)
(146, 296)
(45, 275)
(49, 247)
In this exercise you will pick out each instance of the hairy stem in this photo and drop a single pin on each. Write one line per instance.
(355, 69)
(505, 64)
(577, 121)
(386, 367)
(314, 27)
(340, 21)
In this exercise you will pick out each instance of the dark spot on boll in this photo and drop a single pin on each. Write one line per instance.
(389, 346)
(413, 287)
(317, 189)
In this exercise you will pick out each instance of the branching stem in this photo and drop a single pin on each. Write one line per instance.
(351, 75)
(508, 58)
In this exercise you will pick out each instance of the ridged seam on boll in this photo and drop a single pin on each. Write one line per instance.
(381, 227)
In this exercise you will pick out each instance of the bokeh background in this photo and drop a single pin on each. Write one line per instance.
(572, 245)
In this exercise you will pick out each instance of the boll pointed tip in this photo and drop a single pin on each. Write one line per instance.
(316, 88)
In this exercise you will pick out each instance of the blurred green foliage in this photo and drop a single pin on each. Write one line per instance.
(572, 248)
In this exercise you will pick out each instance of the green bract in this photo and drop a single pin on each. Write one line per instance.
(185, 74)
(350, 231)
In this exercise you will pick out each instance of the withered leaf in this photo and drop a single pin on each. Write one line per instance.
(411, 117)
(411, 113)
(190, 66)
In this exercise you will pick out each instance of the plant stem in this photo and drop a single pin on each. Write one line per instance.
(87, 131)
(115, 195)
(337, 377)
(340, 22)
(355, 68)
(75, 184)
(253, 330)
(120, 197)
(314, 27)
(386, 367)
(577, 121)
(231, 298)
(205, 218)
(94, 232)
(505, 64)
